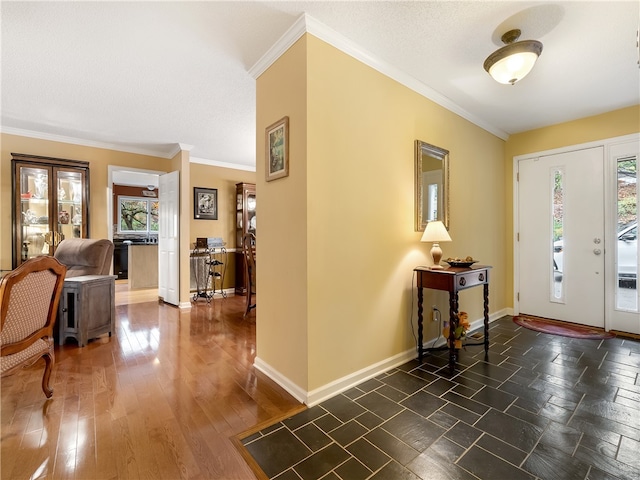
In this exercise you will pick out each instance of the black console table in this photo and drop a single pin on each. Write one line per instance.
(452, 280)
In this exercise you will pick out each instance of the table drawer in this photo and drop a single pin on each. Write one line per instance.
(471, 279)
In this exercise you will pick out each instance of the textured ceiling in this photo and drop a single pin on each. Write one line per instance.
(149, 75)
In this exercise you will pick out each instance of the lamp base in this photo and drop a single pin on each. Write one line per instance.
(436, 255)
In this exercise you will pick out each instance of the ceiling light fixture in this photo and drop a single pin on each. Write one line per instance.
(515, 60)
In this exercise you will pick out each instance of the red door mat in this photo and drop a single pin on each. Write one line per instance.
(556, 327)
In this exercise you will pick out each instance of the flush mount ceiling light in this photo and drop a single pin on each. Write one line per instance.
(515, 60)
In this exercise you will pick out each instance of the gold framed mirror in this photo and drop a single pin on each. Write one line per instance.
(431, 184)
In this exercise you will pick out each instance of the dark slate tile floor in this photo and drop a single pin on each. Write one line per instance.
(538, 406)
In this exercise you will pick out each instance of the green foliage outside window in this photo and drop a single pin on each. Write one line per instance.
(138, 215)
(627, 193)
(558, 205)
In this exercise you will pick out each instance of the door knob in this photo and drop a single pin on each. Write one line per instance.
(597, 251)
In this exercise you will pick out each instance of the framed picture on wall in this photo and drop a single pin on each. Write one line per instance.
(277, 155)
(205, 203)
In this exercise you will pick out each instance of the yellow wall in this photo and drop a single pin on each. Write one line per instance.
(99, 159)
(281, 248)
(223, 179)
(599, 127)
(351, 189)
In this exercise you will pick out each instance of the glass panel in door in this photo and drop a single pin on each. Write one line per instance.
(627, 235)
(33, 221)
(557, 229)
(251, 213)
(69, 218)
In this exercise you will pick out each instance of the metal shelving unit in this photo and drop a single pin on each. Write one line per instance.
(209, 271)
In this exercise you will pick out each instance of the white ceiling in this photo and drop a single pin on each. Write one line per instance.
(150, 75)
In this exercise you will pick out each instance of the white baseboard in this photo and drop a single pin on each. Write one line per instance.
(318, 395)
(349, 381)
(298, 393)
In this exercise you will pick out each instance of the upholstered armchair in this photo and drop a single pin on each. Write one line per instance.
(29, 297)
(85, 256)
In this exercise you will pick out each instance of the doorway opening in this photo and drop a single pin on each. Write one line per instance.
(129, 223)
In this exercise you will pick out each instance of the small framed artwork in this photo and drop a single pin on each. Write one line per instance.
(277, 142)
(205, 203)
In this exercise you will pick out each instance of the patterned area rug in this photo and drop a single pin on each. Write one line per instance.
(556, 327)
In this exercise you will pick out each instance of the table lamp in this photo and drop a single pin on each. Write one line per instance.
(435, 232)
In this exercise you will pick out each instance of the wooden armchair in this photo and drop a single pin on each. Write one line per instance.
(249, 251)
(29, 297)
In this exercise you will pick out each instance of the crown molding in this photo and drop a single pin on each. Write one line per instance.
(177, 148)
(307, 24)
(287, 39)
(85, 143)
(216, 163)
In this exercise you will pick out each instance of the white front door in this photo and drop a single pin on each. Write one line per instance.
(561, 250)
(168, 238)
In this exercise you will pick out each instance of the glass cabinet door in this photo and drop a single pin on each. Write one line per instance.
(69, 215)
(245, 222)
(251, 213)
(51, 198)
(32, 223)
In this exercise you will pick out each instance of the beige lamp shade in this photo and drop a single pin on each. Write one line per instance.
(435, 232)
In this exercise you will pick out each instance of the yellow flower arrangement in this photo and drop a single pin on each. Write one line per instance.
(461, 325)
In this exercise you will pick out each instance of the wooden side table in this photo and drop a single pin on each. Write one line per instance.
(452, 280)
(87, 308)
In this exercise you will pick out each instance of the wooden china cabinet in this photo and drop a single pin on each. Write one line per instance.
(50, 203)
(245, 223)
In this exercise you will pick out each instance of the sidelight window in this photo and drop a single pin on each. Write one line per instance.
(557, 240)
(627, 235)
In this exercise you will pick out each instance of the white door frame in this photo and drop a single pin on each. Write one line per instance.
(607, 144)
(111, 169)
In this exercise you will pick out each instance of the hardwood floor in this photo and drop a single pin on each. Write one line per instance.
(159, 399)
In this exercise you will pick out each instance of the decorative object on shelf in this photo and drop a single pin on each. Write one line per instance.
(205, 203)
(277, 149)
(63, 217)
(459, 262)
(41, 186)
(436, 233)
(29, 217)
(515, 60)
(37, 242)
(460, 327)
(76, 195)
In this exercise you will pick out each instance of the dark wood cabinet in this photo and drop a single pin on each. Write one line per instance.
(50, 203)
(245, 223)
